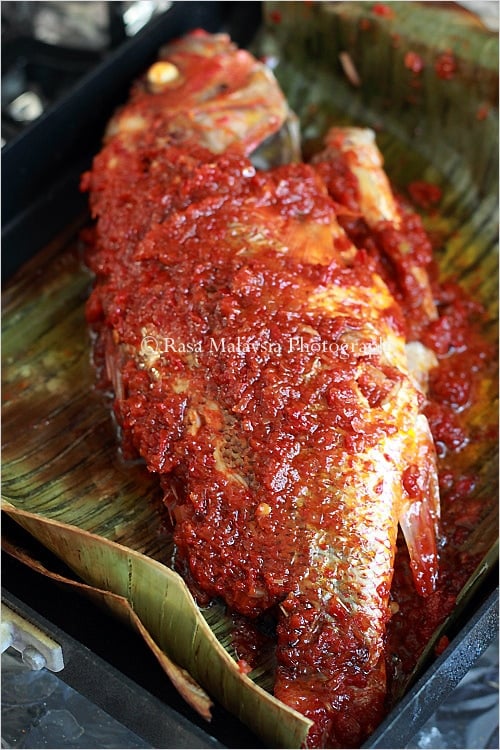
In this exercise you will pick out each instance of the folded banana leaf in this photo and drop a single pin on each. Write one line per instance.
(65, 483)
(63, 477)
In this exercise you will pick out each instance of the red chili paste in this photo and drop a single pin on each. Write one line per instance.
(424, 194)
(194, 202)
(466, 360)
(380, 9)
(446, 65)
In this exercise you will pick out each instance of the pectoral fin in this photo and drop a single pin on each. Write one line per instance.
(420, 513)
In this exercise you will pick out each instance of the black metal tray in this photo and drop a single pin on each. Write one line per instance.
(41, 170)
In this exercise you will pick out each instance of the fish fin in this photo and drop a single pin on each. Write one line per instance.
(360, 152)
(420, 512)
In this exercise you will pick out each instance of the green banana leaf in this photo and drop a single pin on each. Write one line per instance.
(64, 479)
(439, 130)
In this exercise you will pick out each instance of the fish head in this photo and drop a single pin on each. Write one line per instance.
(203, 89)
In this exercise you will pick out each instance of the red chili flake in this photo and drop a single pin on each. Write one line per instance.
(441, 645)
(445, 65)
(483, 112)
(465, 485)
(244, 666)
(365, 24)
(414, 62)
(424, 194)
(383, 10)
(412, 480)
(275, 16)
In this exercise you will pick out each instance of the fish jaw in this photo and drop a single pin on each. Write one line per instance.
(217, 96)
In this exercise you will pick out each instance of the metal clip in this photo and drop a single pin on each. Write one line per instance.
(37, 649)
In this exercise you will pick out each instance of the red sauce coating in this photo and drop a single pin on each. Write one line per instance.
(483, 112)
(413, 62)
(445, 65)
(266, 388)
(424, 194)
(380, 9)
(466, 362)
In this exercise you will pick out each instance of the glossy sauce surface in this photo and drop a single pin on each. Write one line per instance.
(248, 401)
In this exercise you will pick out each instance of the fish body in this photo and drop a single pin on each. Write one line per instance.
(259, 368)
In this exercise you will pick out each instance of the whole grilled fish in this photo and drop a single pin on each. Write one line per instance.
(259, 367)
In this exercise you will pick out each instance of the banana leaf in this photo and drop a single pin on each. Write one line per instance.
(442, 130)
(64, 479)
